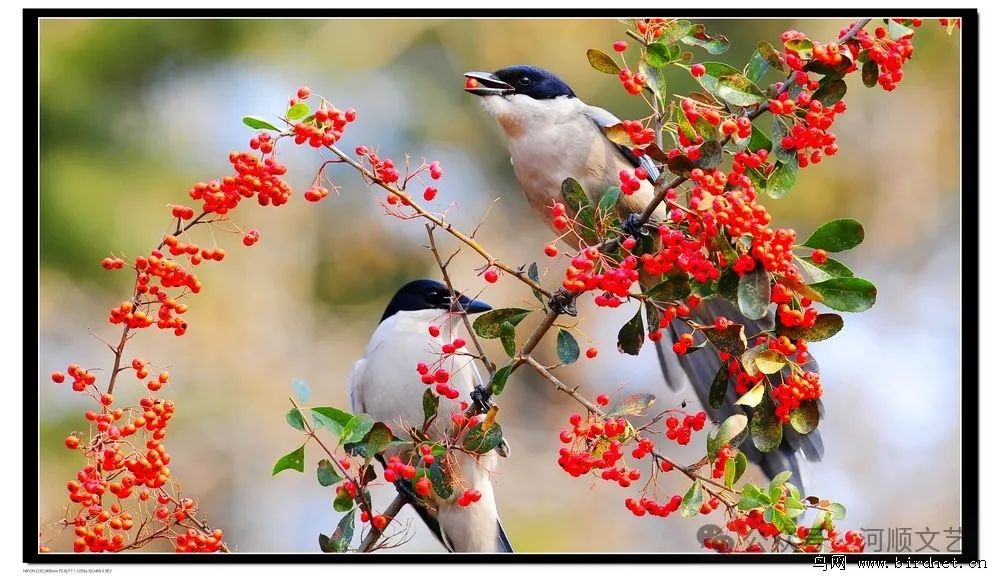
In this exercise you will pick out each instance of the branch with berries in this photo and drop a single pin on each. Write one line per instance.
(717, 241)
(125, 482)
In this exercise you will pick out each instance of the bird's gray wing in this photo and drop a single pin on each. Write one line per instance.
(603, 119)
(699, 370)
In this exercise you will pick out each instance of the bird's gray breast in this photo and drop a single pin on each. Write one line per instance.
(546, 153)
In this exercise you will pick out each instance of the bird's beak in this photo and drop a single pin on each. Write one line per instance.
(469, 305)
(485, 84)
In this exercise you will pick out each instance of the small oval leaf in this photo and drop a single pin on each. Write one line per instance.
(602, 62)
(566, 347)
(837, 235)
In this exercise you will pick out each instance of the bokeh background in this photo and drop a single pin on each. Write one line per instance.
(134, 111)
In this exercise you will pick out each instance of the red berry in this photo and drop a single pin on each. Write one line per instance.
(430, 193)
(491, 276)
(620, 46)
(592, 352)
(551, 251)
(58, 377)
(303, 92)
(697, 70)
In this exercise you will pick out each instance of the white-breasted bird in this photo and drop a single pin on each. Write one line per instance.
(551, 135)
(386, 385)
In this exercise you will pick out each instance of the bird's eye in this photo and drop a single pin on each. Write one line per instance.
(525, 81)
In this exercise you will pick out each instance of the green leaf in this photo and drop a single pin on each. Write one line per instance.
(533, 275)
(837, 235)
(697, 36)
(704, 289)
(778, 132)
(803, 47)
(342, 502)
(507, 338)
(747, 359)
(655, 81)
(741, 466)
(657, 54)
(765, 429)
(631, 335)
(430, 403)
(326, 474)
(732, 431)
(770, 361)
(780, 520)
(753, 497)
(579, 208)
(713, 72)
(781, 179)
(673, 32)
(295, 460)
(671, 289)
(693, 500)
(499, 379)
(754, 293)
(752, 397)
(652, 316)
(827, 325)
(705, 129)
(609, 201)
(732, 339)
(720, 384)
(756, 68)
(440, 480)
(738, 90)
(758, 140)
(294, 418)
(602, 62)
(378, 438)
(683, 124)
(331, 419)
(806, 418)
(566, 347)
(846, 294)
(341, 537)
(635, 404)
(487, 325)
(869, 73)
(710, 155)
(837, 511)
(297, 111)
(770, 55)
(830, 91)
(897, 30)
(356, 428)
(818, 272)
(255, 122)
(729, 472)
(481, 441)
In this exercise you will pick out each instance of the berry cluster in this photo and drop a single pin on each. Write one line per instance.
(679, 430)
(795, 389)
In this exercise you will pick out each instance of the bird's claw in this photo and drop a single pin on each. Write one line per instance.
(633, 226)
(481, 398)
(563, 302)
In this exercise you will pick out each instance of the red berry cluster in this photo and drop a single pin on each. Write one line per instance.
(325, 128)
(679, 430)
(795, 389)
(631, 181)
(384, 169)
(632, 82)
(255, 176)
(888, 54)
(647, 506)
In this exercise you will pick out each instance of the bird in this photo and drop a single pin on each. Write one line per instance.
(385, 385)
(552, 134)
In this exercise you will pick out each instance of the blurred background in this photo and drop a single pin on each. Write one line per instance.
(135, 111)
